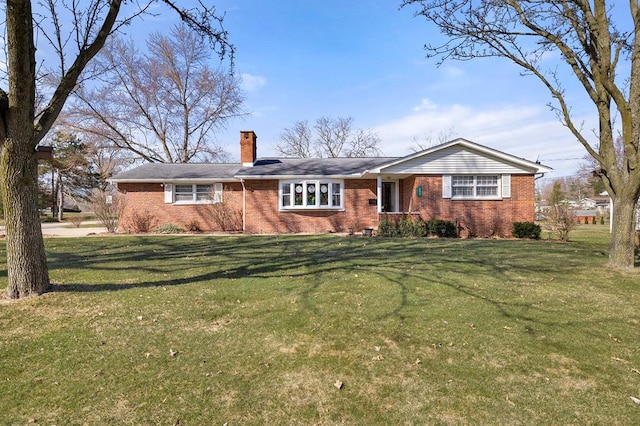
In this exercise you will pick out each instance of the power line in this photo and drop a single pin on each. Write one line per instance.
(564, 159)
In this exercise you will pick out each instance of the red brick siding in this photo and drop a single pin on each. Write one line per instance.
(149, 198)
(478, 217)
(263, 214)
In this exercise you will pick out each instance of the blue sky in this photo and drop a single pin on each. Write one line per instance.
(303, 59)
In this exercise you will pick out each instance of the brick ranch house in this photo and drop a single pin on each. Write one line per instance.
(483, 190)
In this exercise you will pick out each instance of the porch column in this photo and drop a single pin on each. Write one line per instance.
(379, 194)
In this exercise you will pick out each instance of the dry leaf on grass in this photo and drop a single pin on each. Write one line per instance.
(338, 384)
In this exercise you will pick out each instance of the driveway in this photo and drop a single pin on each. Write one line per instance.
(57, 229)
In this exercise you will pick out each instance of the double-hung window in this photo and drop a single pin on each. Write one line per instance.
(311, 194)
(193, 193)
(476, 186)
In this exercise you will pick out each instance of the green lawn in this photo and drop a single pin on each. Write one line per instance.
(202, 330)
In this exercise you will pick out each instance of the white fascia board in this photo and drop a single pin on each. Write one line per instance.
(169, 180)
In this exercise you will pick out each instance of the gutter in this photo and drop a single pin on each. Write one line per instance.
(537, 176)
(173, 180)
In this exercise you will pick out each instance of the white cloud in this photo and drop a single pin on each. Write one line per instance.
(453, 72)
(251, 83)
(522, 130)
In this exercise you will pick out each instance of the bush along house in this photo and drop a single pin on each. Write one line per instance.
(481, 189)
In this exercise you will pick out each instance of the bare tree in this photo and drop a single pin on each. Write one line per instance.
(332, 138)
(164, 105)
(596, 42)
(295, 141)
(106, 159)
(363, 143)
(74, 34)
(428, 140)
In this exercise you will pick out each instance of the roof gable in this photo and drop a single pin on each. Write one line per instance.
(461, 156)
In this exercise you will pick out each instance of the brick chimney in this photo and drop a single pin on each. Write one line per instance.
(248, 148)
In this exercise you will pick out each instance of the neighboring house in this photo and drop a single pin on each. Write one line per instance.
(602, 205)
(483, 190)
(587, 204)
(585, 215)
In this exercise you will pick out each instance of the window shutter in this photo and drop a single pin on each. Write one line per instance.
(506, 186)
(446, 186)
(217, 192)
(168, 193)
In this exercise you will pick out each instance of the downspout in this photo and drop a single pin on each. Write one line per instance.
(379, 193)
(244, 206)
(536, 176)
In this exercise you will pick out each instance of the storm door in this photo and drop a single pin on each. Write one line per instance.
(389, 197)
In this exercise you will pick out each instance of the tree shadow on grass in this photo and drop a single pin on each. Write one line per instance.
(116, 264)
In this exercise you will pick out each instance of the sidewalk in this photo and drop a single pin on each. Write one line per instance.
(57, 229)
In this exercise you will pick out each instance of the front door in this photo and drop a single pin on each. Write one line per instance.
(388, 196)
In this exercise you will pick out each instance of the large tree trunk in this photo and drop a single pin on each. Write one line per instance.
(26, 258)
(26, 261)
(622, 245)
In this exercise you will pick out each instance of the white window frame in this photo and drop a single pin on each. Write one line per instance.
(474, 182)
(200, 193)
(311, 194)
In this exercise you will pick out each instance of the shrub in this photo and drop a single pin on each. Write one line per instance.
(76, 220)
(442, 228)
(107, 208)
(226, 217)
(586, 220)
(142, 222)
(561, 220)
(169, 228)
(526, 230)
(408, 227)
(593, 220)
(601, 220)
(405, 227)
(386, 227)
(419, 228)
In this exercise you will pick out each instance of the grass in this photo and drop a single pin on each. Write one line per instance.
(258, 330)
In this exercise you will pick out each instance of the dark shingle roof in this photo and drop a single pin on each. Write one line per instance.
(311, 166)
(178, 171)
(266, 167)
